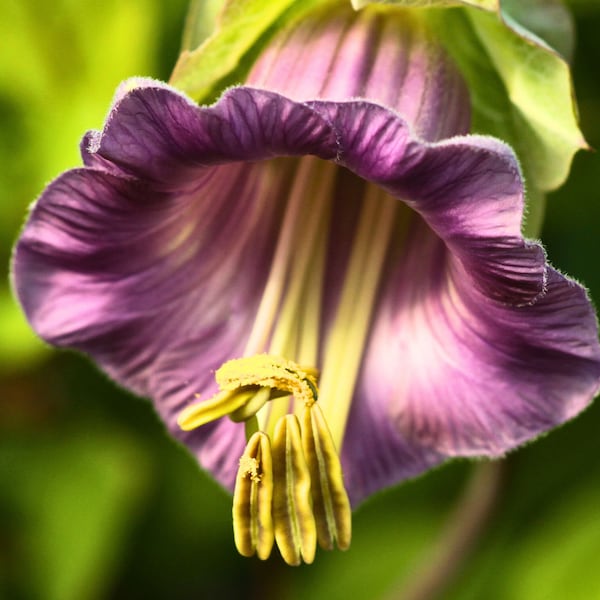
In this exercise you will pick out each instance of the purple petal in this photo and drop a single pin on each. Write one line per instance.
(477, 345)
(389, 58)
(376, 454)
(161, 136)
(468, 189)
(464, 374)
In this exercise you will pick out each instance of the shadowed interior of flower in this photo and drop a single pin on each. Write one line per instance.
(289, 324)
(319, 272)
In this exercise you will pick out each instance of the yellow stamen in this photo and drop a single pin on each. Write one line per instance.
(221, 404)
(349, 331)
(331, 507)
(252, 499)
(278, 484)
(268, 371)
(293, 520)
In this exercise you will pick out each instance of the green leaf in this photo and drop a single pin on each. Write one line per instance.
(243, 27)
(537, 82)
(549, 20)
(77, 495)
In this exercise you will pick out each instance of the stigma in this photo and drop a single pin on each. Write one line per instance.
(289, 487)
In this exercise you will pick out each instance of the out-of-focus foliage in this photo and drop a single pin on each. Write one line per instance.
(97, 502)
(59, 64)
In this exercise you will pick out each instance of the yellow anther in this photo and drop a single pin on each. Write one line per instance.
(221, 404)
(247, 384)
(252, 499)
(250, 467)
(265, 370)
(293, 520)
(331, 507)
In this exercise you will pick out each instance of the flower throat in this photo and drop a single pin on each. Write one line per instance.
(289, 487)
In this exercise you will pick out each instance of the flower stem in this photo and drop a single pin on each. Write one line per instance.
(463, 529)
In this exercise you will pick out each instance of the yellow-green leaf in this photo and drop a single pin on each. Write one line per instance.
(538, 84)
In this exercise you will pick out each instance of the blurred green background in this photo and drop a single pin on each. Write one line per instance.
(96, 502)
